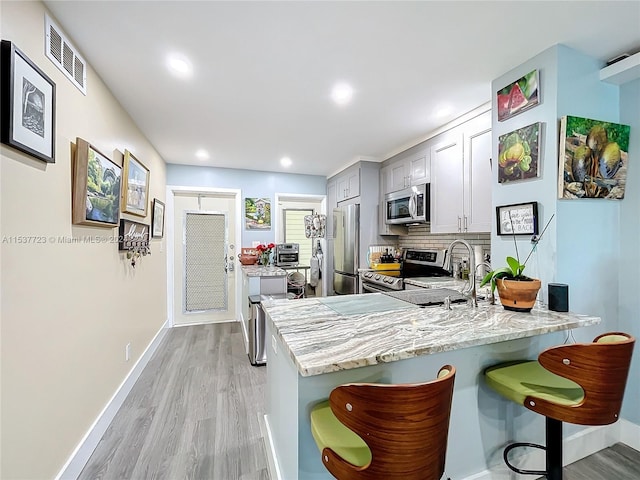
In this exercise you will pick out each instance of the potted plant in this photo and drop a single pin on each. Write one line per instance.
(517, 292)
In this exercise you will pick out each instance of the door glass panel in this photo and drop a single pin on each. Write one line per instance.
(205, 277)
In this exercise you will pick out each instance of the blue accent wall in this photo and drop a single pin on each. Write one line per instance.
(252, 183)
(592, 244)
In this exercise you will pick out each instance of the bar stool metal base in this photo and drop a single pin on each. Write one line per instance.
(553, 451)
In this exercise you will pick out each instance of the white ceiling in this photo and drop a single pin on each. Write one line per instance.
(263, 71)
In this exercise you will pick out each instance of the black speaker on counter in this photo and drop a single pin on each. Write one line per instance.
(559, 297)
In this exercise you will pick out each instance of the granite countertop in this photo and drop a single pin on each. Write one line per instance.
(328, 334)
(262, 271)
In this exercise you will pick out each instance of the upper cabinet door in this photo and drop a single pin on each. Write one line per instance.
(478, 178)
(420, 167)
(348, 184)
(399, 176)
(447, 172)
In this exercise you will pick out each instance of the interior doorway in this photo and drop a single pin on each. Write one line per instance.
(201, 245)
(287, 208)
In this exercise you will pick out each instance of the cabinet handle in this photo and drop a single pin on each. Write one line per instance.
(459, 224)
(466, 228)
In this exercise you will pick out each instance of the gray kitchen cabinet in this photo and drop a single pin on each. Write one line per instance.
(348, 184)
(461, 178)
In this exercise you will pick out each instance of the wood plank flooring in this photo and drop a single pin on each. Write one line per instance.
(194, 413)
(618, 462)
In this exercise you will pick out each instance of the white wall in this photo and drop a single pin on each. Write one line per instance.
(628, 265)
(68, 309)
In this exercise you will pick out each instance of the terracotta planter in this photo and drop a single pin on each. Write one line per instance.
(518, 295)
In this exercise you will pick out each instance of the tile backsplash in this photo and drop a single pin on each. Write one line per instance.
(419, 236)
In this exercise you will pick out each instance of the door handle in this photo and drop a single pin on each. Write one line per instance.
(412, 205)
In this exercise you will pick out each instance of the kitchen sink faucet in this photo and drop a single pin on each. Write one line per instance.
(471, 293)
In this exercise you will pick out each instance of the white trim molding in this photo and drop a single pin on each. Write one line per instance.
(78, 459)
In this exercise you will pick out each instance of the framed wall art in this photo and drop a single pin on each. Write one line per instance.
(517, 219)
(96, 187)
(135, 190)
(157, 219)
(257, 213)
(133, 235)
(28, 99)
(518, 96)
(519, 154)
(593, 158)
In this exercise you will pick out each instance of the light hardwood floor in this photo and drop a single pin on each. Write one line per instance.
(194, 414)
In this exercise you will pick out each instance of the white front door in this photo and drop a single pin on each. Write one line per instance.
(204, 253)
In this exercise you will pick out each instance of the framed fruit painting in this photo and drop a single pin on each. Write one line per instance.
(519, 154)
(519, 96)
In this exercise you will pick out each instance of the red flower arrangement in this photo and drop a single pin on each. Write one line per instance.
(265, 252)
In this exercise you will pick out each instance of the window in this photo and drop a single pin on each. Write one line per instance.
(294, 233)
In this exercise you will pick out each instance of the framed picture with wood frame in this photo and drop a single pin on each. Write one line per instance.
(157, 219)
(96, 187)
(135, 190)
(28, 99)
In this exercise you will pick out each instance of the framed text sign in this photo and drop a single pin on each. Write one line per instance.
(518, 219)
(132, 235)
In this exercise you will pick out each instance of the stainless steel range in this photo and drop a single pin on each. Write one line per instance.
(416, 263)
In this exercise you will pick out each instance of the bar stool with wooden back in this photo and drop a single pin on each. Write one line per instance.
(580, 383)
(369, 431)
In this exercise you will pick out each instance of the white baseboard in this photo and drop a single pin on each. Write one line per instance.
(272, 462)
(78, 459)
(630, 433)
(575, 447)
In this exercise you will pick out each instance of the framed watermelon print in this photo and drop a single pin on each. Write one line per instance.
(519, 96)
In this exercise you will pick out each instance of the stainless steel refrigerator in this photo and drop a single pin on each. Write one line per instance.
(346, 245)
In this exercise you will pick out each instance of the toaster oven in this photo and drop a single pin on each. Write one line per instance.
(287, 254)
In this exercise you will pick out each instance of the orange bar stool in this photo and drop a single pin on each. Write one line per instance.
(581, 383)
(380, 431)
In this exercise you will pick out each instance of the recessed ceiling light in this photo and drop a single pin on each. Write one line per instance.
(443, 111)
(342, 93)
(285, 162)
(202, 154)
(179, 65)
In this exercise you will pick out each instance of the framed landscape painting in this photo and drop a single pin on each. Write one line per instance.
(96, 187)
(593, 158)
(28, 99)
(519, 154)
(136, 186)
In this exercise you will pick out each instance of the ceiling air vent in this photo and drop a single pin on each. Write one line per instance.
(65, 56)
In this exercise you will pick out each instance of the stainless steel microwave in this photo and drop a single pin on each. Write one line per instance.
(410, 205)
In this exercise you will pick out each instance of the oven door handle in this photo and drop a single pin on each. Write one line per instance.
(367, 287)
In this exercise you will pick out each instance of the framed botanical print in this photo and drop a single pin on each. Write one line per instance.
(135, 190)
(28, 99)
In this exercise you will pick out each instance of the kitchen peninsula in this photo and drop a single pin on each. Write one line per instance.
(318, 343)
